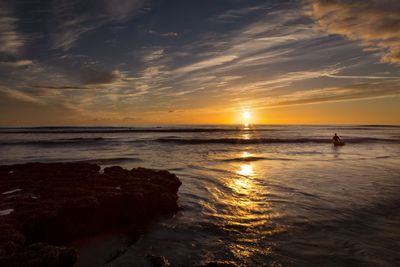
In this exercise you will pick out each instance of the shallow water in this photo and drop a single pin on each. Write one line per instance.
(262, 196)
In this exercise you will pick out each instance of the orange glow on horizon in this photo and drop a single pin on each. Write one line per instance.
(346, 112)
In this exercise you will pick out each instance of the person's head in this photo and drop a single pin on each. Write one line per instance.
(335, 134)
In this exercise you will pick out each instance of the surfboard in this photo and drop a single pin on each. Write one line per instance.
(340, 143)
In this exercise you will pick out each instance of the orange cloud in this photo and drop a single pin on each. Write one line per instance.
(375, 23)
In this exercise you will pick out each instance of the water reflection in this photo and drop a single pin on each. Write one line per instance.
(246, 170)
(246, 136)
(242, 184)
(244, 212)
(336, 151)
(249, 215)
(246, 155)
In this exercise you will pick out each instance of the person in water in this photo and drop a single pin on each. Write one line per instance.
(336, 139)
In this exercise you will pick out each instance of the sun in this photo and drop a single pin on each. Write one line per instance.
(247, 115)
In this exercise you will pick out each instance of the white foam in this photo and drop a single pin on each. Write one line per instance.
(11, 191)
(6, 212)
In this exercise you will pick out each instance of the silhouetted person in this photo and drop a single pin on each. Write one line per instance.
(336, 139)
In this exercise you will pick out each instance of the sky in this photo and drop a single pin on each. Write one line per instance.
(128, 62)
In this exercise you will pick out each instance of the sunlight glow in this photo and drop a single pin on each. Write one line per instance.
(246, 170)
(246, 155)
(247, 115)
(243, 184)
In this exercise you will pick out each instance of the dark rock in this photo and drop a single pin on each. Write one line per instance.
(39, 255)
(218, 264)
(158, 261)
(11, 240)
(60, 202)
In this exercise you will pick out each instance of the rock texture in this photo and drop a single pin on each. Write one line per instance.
(45, 205)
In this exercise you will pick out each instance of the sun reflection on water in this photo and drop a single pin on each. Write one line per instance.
(246, 170)
(242, 204)
(246, 155)
(247, 215)
(246, 136)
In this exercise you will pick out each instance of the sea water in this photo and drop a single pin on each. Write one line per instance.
(260, 195)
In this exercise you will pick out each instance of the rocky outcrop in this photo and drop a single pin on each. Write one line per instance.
(218, 264)
(45, 205)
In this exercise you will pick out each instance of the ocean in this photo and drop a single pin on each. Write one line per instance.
(261, 195)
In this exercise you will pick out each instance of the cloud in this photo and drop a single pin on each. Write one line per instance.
(74, 18)
(169, 34)
(67, 87)
(355, 91)
(96, 76)
(207, 63)
(121, 9)
(375, 23)
(284, 81)
(18, 95)
(153, 55)
(16, 64)
(290, 78)
(90, 79)
(69, 34)
(232, 15)
(238, 55)
(165, 34)
(10, 39)
(267, 40)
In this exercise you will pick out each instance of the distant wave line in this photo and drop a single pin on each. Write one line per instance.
(271, 140)
(57, 142)
(80, 131)
(188, 141)
(237, 128)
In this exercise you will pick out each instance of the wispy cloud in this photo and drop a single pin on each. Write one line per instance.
(17, 63)
(355, 91)
(232, 15)
(207, 63)
(11, 40)
(21, 96)
(257, 43)
(282, 81)
(336, 94)
(165, 34)
(66, 87)
(75, 18)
